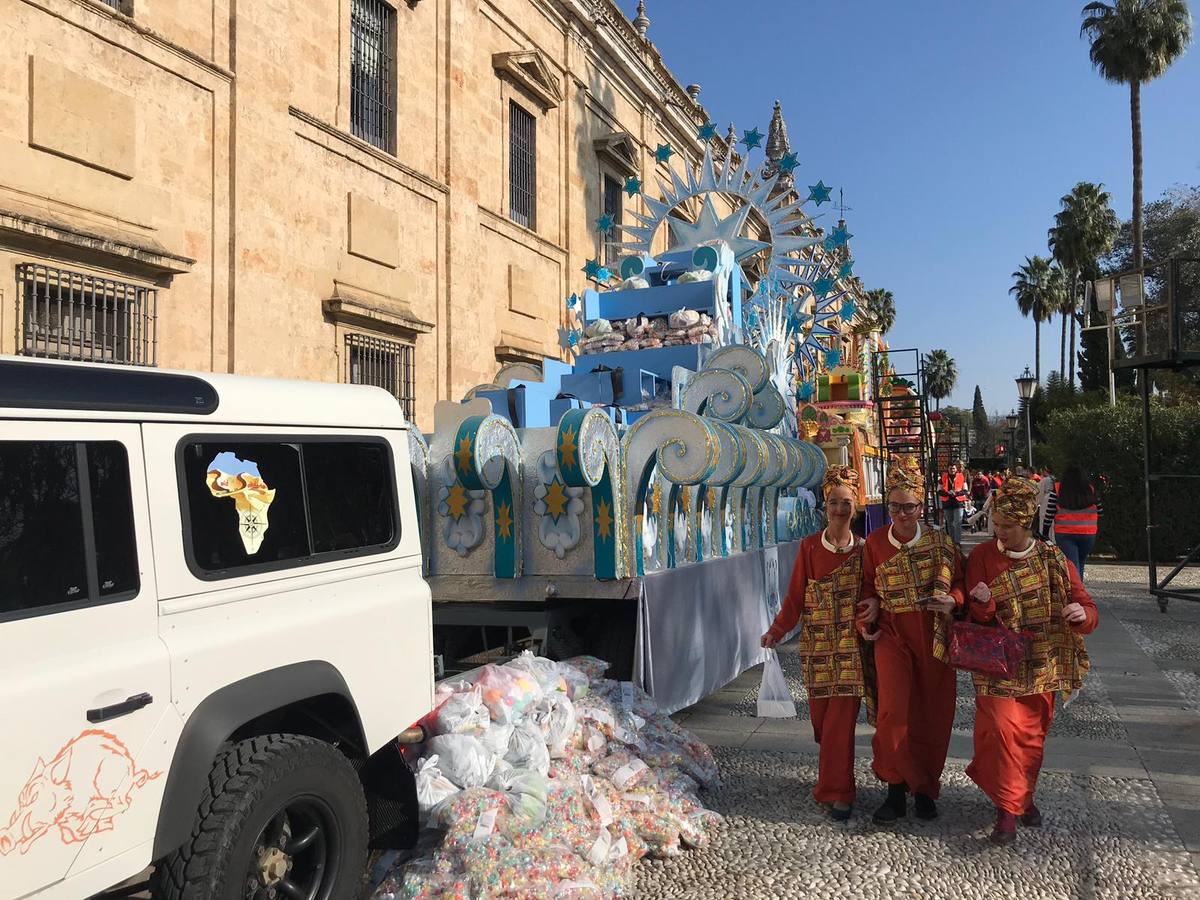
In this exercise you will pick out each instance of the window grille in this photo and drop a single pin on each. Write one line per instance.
(385, 364)
(612, 207)
(372, 96)
(115, 4)
(522, 166)
(69, 315)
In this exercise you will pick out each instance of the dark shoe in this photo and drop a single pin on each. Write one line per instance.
(924, 807)
(1005, 830)
(1032, 817)
(894, 807)
(840, 815)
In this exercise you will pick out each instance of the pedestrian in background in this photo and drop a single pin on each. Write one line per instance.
(981, 489)
(837, 663)
(1028, 586)
(1045, 488)
(913, 576)
(952, 495)
(1073, 511)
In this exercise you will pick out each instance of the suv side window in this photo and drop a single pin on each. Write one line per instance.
(258, 505)
(66, 526)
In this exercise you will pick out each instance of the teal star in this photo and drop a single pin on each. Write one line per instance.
(818, 193)
(573, 337)
(633, 186)
(572, 301)
(830, 243)
(833, 357)
(846, 269)
(822, 286)
(604, 223)
(788, 163)
(604, 274)
(841, 236)
(849, 308)
(806, 391)
(592, 268)
(707, 131)
(751, 139)
(664, 152)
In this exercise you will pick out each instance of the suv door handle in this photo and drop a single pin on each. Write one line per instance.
(124, 708)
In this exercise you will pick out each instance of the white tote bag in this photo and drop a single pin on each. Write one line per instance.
(774, 695)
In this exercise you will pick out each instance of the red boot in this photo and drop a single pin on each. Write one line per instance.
(1005, 831)
(1032, 817)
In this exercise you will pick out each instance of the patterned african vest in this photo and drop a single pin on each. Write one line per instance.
(1030, 596)
(922, 570)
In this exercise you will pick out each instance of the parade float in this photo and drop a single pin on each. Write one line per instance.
(642, 502)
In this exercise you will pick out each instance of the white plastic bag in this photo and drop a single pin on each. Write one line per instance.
(432, 786)
(527, 749)
(463, 712)
(774, 696)
(462, 758)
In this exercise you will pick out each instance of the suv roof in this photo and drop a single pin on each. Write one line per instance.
(52, 389)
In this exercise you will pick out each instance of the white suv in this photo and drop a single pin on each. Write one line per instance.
(213, 627)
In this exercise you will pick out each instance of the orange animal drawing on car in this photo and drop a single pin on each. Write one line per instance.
(88, 783)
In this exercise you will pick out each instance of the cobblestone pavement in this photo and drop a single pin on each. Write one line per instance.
(1120, 789)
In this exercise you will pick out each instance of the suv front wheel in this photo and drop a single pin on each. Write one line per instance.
(283, 818)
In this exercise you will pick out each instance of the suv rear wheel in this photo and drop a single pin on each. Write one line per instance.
(283, 816)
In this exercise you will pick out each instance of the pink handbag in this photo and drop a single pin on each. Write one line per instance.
(993, 650)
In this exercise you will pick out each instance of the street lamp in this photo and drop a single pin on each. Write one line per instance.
(1026, 384)
(1012, 419)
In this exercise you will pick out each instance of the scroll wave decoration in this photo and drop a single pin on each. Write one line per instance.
(588, 452)
(768, 408)
(487, 456)
(721, 394)
(744, 360)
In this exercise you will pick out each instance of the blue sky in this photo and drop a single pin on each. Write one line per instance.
(954, 126)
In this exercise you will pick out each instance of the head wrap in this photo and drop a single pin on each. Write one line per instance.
(840, 476)
(904, 474)
(1017, 499)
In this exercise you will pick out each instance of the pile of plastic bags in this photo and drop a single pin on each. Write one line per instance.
(686, 326)
(545, 779)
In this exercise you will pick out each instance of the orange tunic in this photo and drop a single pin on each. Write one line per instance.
(836, 663)
(916, 687)
(1012, 717)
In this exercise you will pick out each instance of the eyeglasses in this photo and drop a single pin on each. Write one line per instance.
(840, 504)
(907, 508)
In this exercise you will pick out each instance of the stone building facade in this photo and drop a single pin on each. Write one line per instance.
(392, 191)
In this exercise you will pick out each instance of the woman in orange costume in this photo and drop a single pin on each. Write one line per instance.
(913, 577)
(823, 596)
(1030, 586)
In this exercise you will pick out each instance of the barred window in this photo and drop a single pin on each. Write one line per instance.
(69, 315)
(612, 207)
(385, 364)
(522, 166)
(372, 77)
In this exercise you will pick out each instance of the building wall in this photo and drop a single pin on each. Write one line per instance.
(205, 149)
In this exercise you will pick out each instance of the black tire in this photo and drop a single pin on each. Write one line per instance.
(252, 786)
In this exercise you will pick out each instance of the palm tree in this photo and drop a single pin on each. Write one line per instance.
(1135, 41)
(1085, 228)
(940, 374)
(880, 312)
(1034, 292)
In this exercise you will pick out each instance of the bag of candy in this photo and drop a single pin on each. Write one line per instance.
(462, 758)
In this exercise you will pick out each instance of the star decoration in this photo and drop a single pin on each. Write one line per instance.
(573, 338)
(633, 186)
(604, 274)
(818, 193)
(849, 308)
(664, 152)
(464, 454)
(806, 391)
(830, 244)
(833, 357)
(572, 301)
(707, 131)
(841, 236)
(555, 500)
(847, 268)
(822, 286)
(568, 338)
(788, 163)
(591, 268)
(504, 522)
(708, 227)
(752, 138)
(457, 501)
(567, 449)
(604, 520)
(605, 222)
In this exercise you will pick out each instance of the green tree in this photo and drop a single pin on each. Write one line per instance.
(940, 374)
(1033, 288)
(879, 314)
(979, 421)
(1084, 229)
(1133, 42)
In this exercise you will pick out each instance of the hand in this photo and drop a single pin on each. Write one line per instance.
(871, 636)
(868, 610)
(943, 604)
(1074, 613)
(768, 640)
(981, 593)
